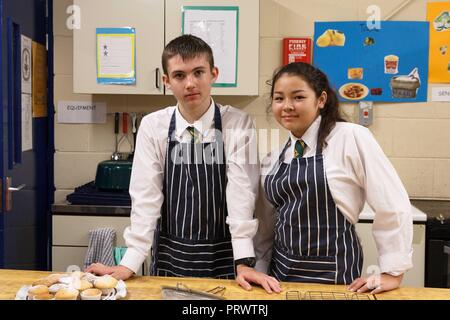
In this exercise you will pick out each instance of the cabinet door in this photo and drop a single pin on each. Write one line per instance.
(74, 230)
(414, 277)
(248, 40)
(146, 16)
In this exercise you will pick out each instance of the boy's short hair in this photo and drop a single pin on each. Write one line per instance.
(188, 47)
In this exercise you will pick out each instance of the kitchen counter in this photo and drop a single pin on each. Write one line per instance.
(149, 288)
(90, 210)
(367, 213)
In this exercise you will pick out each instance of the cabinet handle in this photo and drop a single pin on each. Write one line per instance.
(158, 86)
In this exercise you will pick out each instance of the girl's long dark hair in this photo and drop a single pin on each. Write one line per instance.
(318, 81)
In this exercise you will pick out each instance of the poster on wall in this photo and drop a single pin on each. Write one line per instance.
(116, 56)
(438, 15)
(218, 26)
(296, 50)
(388, 64)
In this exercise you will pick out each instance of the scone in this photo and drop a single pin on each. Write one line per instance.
(44, 296)
(91, 294)
(48, 281)
(82, 285)
(35, 290)
(105, 283)
(67, 294)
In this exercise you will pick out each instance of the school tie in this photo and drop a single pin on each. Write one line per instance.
(194, 134)
(299, 148)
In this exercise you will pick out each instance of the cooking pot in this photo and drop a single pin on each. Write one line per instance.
(113, 174)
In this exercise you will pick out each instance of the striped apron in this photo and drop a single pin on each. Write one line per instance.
(192, 238)
(314, 242)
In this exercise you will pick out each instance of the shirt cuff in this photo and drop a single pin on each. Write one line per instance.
(242, 248)
(395, 263)
(132, 260)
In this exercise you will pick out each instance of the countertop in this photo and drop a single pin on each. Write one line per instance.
(149, 288)
(68, 209)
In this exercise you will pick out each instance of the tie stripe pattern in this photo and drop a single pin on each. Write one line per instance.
(299, 149)
(194, 134)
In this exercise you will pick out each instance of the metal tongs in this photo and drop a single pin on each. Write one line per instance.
(182, 292)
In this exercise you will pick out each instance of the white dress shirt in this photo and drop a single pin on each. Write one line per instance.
(147, 176)
(357, 171)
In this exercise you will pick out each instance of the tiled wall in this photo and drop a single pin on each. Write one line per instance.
(416, 137)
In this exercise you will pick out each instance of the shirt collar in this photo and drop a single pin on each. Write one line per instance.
(309, 137)
(202, 125)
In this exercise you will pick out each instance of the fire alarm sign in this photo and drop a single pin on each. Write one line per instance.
(296, 50)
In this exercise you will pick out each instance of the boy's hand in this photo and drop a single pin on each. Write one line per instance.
(376, 283)
(247, 275)
(118, 272)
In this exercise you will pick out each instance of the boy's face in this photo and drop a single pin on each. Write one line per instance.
(190, 80)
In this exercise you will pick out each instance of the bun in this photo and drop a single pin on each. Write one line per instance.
(82, 285)
(39, 289)
(44, 296)
(91, 294)
(48, 281)
(66, 294)
(105, 282)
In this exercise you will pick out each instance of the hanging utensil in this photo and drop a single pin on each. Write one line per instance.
(116, 156)
(125, 131)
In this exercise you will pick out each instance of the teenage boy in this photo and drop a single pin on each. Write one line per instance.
(194, 183)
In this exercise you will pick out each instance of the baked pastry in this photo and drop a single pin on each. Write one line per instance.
(91, 294)
(39, 289)
(355, 73)
(48, 281)
(105, 282)
(67, 294)
(82, 285)
(44, 296)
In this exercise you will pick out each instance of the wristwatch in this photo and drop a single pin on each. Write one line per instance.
(249, 262)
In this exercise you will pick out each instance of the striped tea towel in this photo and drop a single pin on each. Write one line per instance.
(101, 246)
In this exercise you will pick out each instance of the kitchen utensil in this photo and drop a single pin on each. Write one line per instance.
(113, 174)
(116, 155)
(323, 295)
(182, 292)
(125, 132)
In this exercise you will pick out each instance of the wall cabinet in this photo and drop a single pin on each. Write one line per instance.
(156, 23)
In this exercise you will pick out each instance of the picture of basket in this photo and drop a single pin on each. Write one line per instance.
(405, 86)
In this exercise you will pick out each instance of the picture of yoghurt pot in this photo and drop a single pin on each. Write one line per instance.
(391, 64)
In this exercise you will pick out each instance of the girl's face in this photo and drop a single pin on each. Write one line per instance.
(295, 104)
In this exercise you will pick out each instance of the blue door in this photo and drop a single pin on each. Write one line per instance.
(24, 218)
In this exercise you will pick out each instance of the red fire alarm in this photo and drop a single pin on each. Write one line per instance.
(296, 50)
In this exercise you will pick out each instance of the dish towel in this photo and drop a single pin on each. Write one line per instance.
(101, 247)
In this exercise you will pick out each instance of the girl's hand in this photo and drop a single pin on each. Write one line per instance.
(377, 283)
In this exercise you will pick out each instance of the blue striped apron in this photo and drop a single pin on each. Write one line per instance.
(314, 242)
(192, 239)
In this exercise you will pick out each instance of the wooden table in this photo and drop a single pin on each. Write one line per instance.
(149, 288)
